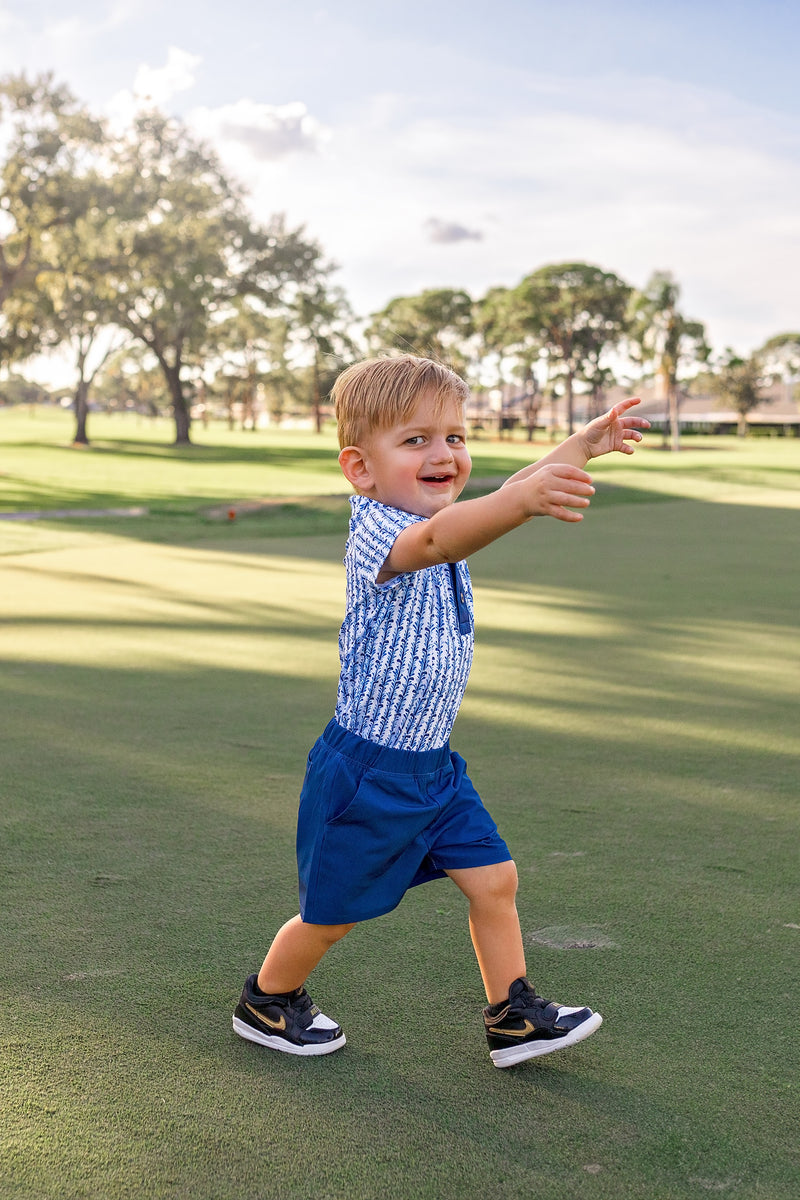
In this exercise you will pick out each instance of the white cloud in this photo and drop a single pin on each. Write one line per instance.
(157, 85)
(153, 87)
(448, 232)
(265, 131)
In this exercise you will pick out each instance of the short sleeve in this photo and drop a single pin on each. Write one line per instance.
(374, 528)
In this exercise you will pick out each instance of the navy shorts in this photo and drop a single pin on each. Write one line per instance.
(374, 822)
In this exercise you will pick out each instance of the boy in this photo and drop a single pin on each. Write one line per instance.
(385, 805)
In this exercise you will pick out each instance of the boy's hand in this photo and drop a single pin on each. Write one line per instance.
(614, 430)
(556, 490)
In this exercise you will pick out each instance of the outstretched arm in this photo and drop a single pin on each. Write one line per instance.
(555, 486)
(460, 529)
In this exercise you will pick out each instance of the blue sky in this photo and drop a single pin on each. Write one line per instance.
(447, 144)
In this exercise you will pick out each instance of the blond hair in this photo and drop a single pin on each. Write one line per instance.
(381, 392)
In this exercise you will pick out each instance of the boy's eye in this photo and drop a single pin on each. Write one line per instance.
(416, 440)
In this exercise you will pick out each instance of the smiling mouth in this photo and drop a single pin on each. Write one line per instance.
(437, 478)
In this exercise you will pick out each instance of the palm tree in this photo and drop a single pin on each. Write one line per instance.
(664, 339)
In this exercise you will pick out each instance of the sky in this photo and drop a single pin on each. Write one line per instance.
(445, 144)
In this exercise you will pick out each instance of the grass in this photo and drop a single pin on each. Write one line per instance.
(631, 721)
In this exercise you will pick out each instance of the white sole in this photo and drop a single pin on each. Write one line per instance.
(277, 1043)
(511, 1055)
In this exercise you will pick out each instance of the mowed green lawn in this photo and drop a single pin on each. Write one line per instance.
(632, 722)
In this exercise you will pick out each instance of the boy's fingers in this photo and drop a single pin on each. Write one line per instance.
(567, 471)
(623, 405)
(570, 498)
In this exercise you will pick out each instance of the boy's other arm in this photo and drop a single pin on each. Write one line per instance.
(457, 531)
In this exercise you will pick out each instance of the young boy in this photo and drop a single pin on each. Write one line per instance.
(385, 804)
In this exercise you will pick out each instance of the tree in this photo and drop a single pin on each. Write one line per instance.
(573, 311)
(779, 357)
(16, 390)
(599, 379)
(322, 317)
(73, 289)
(130, 380)
(186, 249)
(25, 325)
(492, 321)
(436, 323)
(662, 338)
(739, 381)
(252, 347)
(51, 141)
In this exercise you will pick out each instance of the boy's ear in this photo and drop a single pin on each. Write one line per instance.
(355, 469)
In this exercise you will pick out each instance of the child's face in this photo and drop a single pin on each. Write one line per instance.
(422, 465)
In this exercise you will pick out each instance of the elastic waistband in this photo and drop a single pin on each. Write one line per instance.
(370, 754)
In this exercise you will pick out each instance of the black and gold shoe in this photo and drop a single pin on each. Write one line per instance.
(525, 1026)
(291, 1022)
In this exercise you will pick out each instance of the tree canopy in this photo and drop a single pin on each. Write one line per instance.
(437, 323)
(139, 238)
(571, 311)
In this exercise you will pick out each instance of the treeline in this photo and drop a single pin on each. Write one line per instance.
(133, 250)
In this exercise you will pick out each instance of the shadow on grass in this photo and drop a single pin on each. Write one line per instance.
(149, 858)
(262, 454)
(630, 724)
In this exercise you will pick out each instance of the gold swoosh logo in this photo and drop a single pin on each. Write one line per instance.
(529, 1028)
(278, 1025)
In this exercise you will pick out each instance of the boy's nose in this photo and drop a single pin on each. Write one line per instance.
(442, 451)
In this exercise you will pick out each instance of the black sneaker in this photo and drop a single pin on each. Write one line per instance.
(291, 1023)
(526, 1026)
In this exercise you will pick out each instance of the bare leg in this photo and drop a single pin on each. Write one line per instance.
(494, 925)
(295, 951)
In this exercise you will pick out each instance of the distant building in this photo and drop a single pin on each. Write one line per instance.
(509, 408)
(777, 413)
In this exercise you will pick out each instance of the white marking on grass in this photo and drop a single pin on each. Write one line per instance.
(61, 514)
(566, 937)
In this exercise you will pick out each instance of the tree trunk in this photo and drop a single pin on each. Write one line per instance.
(570, 404)
(81, 437)
(180, 409)
(81, 401)
(317, 399)
(674, 419)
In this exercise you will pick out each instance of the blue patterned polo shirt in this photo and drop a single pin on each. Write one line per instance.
(406, 645)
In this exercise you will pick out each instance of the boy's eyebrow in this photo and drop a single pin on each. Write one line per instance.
(424, 426)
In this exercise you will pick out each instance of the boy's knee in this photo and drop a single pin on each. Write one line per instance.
(506, 881)
(499, 886)
(331, 933)
(495, 884)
